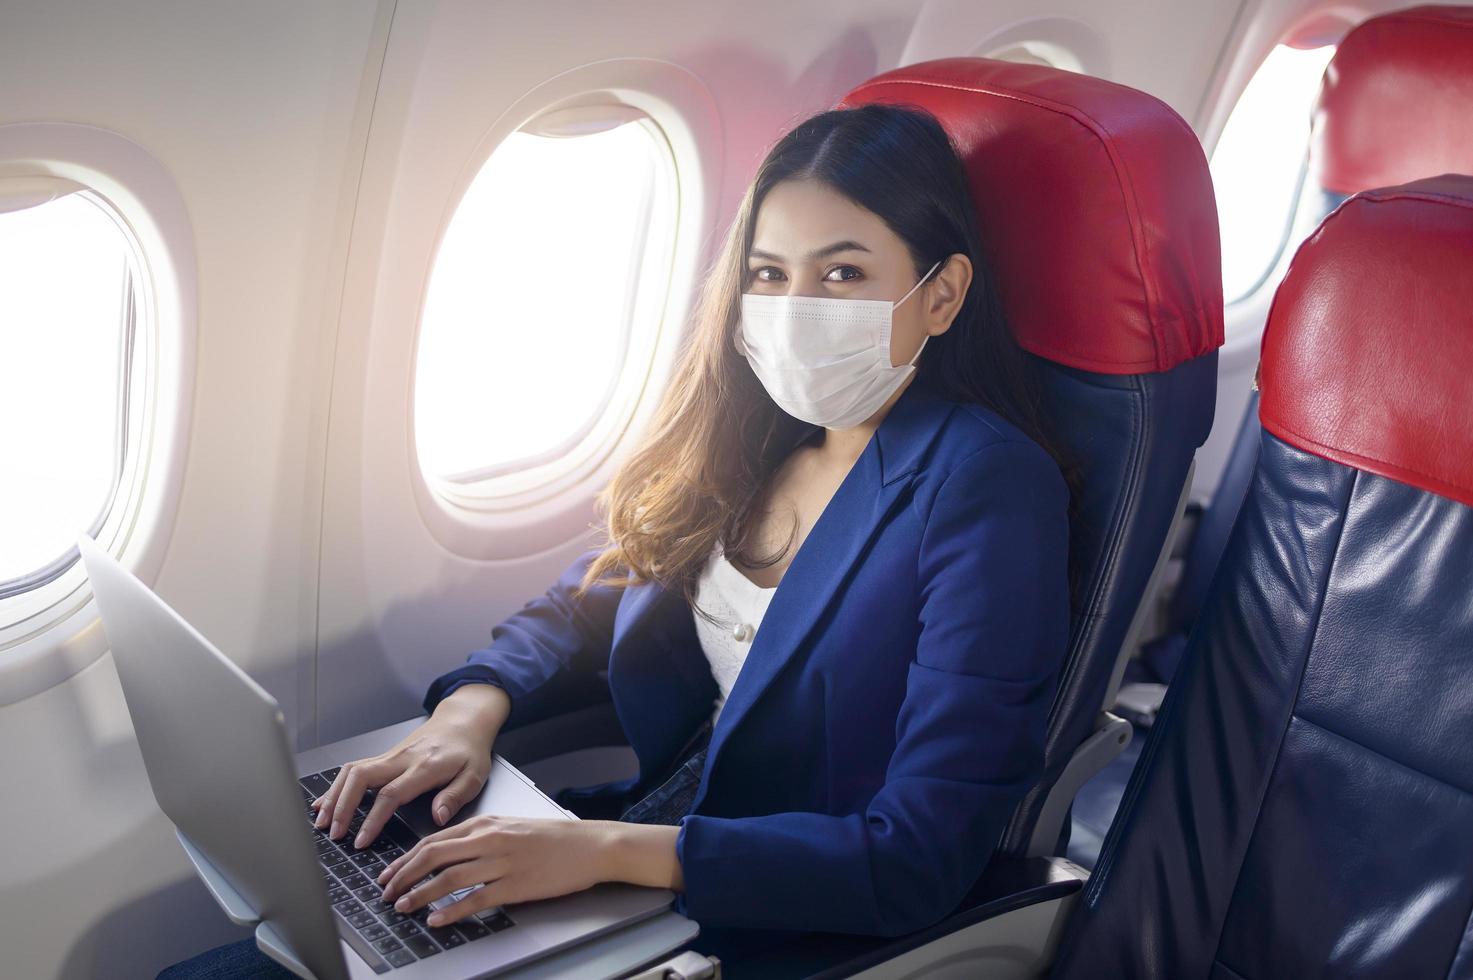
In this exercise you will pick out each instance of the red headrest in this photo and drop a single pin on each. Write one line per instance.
(1095, 204)
(1396, 103)
(1368, 352)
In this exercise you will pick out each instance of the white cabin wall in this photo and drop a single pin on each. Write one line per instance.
(316, 147)
(252, 109)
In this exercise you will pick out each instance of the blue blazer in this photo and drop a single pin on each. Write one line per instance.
(891, 710)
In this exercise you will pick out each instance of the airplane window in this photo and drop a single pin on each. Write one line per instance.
(533, 296)
(66, 333)
(1258, 165)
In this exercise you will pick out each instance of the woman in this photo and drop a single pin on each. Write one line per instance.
(832, 603)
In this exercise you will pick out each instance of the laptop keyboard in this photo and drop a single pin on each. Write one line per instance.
(385, 938)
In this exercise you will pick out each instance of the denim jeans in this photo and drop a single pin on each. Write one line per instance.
(671, 800)
(241, 960)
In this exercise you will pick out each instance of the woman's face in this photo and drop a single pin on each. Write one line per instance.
(809, 240)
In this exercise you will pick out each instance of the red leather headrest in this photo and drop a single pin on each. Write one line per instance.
(1368, 352)
(1396, 102)
(1095, 204)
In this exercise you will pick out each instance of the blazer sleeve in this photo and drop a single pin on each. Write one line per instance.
(550, 640)
(993, 603)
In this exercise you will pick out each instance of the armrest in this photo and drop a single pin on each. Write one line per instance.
(1009, 885)
(589, 722)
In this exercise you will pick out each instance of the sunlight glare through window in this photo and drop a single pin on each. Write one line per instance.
(1255, 168)
(529, 301)
(63, 283)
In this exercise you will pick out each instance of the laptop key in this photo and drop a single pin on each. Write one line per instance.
(315, 784)
(401, 957)
(400, 833)
(387, 945)
(498, 922)
(391, 917)
(471, 929)
(422, 945)
(330, 774)
(355, 881)
(375, 931)
(378, 906)
(361, 858)
(348, 906)
(361, 920)
(446, 936)
(367, 893)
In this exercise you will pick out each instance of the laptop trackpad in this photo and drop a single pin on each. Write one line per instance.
(506, 793)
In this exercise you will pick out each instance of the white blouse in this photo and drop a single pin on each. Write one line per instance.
(738, 604)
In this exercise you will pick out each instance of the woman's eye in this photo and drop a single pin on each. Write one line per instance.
(845, 268)
(757, 274)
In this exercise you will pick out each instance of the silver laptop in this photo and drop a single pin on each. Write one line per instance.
(215, 746)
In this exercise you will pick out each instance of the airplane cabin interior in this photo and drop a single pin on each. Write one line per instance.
(338, 338)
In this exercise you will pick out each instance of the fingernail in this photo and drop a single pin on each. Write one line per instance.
(442, 814)
(435, 918)
(360, 840)
(336, 829)
(402, 904)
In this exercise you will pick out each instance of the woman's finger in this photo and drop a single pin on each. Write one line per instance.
(449, 800)
(328, 800)
(425, 858)
(451, 879)
(448, 834)
(401, 789)
(361, 776)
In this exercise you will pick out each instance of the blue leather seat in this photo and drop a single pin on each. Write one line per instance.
(1097, 209)
(1303, 801)
(1393, 107)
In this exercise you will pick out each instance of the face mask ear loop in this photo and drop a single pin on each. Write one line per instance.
(916, 286)
(917, 357)
(902, 299)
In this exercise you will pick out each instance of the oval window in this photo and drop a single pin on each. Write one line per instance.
(1259, 163)
(547, 283)
(67, 325)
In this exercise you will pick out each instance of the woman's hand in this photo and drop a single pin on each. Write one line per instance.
(521, 860)
(452, 749)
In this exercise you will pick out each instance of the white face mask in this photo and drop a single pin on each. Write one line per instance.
(823, 359)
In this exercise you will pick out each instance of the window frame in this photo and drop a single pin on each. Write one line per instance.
(50, 632)
(132, 369)
(527, 481)
(1245, 305)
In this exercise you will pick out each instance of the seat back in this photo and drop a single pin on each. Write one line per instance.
(1097, 213)
(1394, 106)
(1302, 804)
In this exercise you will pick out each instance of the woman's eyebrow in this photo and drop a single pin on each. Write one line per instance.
(818, 253)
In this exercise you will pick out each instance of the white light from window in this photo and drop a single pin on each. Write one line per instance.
(529, 301)
(63, 307)
(1256, 165)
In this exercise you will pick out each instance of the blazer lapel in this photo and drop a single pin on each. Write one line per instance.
(828, 555)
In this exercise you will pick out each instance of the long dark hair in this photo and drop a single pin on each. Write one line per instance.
(716, 438)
